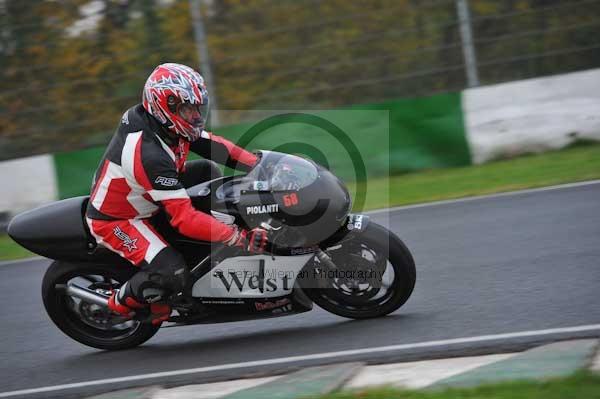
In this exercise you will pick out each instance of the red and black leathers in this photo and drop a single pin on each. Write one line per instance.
(141, 169)
(140, 172)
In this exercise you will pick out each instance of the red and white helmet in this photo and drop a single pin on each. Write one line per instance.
(176, 95)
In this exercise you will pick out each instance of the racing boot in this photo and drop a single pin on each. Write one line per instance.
(159, 312)
(124, 306)
(127, 306)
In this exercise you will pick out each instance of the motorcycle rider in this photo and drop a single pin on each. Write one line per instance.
(143, 170)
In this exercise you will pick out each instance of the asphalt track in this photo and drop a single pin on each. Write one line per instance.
(490, 266)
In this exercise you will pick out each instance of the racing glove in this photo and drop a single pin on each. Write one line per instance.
(253, 241)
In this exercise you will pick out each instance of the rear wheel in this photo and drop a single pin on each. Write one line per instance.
(374, 275)
(85, 322)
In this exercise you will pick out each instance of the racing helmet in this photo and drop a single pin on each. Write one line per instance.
(176, 96)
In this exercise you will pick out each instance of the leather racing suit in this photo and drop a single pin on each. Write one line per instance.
(143, 170)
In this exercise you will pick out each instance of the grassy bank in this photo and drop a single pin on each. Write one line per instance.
(582, 385)
(10, 250)
(577, 163)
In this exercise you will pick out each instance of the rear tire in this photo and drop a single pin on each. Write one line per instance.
(398, 258)
(59, 307)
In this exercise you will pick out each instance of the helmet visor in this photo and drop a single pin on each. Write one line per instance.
(194, 114)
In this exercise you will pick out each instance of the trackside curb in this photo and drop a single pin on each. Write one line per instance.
(309, 382)
(559, 359)
(595, 363)
(134, 393)
(418, 374)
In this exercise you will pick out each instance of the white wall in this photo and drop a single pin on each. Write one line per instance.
(27, 182)
(532, 115)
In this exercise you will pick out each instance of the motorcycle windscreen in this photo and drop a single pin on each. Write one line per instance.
(282, 172)
(296, 192)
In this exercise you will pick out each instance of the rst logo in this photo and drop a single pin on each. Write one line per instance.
(166, 181)
(244, 279)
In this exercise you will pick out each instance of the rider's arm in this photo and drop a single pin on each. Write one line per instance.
(159, 178)
(223, 151)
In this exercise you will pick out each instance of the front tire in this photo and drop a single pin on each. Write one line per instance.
(86, 323)
(365, 299)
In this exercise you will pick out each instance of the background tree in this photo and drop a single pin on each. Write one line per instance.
(71, 67)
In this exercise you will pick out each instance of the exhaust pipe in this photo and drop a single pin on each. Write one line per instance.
(86, 295)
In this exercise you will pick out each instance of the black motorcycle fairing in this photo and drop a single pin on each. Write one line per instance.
(58, 231)
(308, 201)
(315, 211)
(357, 222)
(224, 310)
(354, 224)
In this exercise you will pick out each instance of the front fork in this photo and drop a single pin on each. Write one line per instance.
(355, 223)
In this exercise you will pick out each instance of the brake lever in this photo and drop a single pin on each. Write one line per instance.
(267, 226)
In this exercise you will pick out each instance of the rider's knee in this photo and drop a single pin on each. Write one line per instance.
(168, 269)
(164, 276)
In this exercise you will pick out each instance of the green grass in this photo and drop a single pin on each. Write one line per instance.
(577, 163)
(580, 162)
(11, 250)
(579, 386)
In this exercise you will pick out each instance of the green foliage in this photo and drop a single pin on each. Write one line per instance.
(62, 91)
(578, 163)
(10, 250)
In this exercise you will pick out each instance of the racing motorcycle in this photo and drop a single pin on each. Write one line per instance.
(319, 253)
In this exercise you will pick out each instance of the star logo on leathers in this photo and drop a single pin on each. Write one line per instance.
(128, 242)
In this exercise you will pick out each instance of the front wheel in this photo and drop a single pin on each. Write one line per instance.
(374, 275)
(85, 322)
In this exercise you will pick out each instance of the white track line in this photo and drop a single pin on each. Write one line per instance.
(315, 356)
(487, 196)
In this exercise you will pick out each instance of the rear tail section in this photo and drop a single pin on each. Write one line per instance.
(56, 230)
